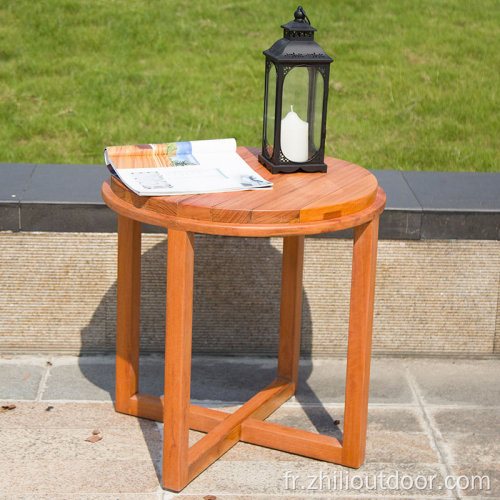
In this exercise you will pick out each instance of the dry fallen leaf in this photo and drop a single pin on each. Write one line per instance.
(26, 377)
(210, 497)
(49, 363)
(7, 408)
(94, 438)
(96, 431)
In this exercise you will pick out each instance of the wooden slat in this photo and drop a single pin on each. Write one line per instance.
(237, 206)
(308, 189)
(351, 198)
(227, 433)
(285, 187)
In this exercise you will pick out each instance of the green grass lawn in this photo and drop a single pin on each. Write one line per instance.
(414, 85)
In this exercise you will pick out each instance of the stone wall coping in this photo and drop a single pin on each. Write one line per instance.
(420, 205)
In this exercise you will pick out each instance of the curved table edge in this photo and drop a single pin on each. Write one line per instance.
(252, 230)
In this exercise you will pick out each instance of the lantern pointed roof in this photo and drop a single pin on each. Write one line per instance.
(298, 45)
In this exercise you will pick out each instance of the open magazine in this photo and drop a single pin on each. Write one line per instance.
(183, 168)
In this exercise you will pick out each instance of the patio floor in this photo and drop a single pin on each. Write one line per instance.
(433, 425)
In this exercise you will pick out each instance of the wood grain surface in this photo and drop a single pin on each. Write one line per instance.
(345, 196)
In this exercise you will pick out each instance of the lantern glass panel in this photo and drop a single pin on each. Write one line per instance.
(269, 109)
(294, 115)
(317, 85)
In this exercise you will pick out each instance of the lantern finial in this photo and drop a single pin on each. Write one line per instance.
(301, 16)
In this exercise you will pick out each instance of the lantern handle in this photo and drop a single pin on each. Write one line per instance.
(300, 15)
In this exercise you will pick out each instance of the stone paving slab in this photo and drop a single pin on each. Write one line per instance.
(464, 382)
(70, 444)
(475, 476)
(19, 381)
(470, 435)
(94, 378)
(427, 419)
(467, 420)
(58, 415)
(227, 380)
(88, 381)
(478, 450)
(105, 476)
(270, 477)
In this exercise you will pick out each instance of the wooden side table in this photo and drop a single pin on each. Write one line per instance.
(299, 204)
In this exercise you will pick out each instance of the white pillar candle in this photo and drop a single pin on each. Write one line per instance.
(294, 137)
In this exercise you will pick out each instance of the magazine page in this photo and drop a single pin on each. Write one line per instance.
(183, 168)
(215, 173)
(170, 154)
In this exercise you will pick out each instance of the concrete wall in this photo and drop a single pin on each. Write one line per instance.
(433, 297)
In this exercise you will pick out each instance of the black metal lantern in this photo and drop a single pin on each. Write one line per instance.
(295, 100)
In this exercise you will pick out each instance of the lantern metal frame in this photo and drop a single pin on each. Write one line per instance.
(296, 49)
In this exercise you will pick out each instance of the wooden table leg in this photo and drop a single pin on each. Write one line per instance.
(180, 262)
(291, 309)
(359, 343)
(127, 311)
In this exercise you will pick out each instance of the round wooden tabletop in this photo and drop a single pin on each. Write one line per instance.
(300, 203)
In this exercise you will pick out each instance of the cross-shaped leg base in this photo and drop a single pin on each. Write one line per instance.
(181, 463)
